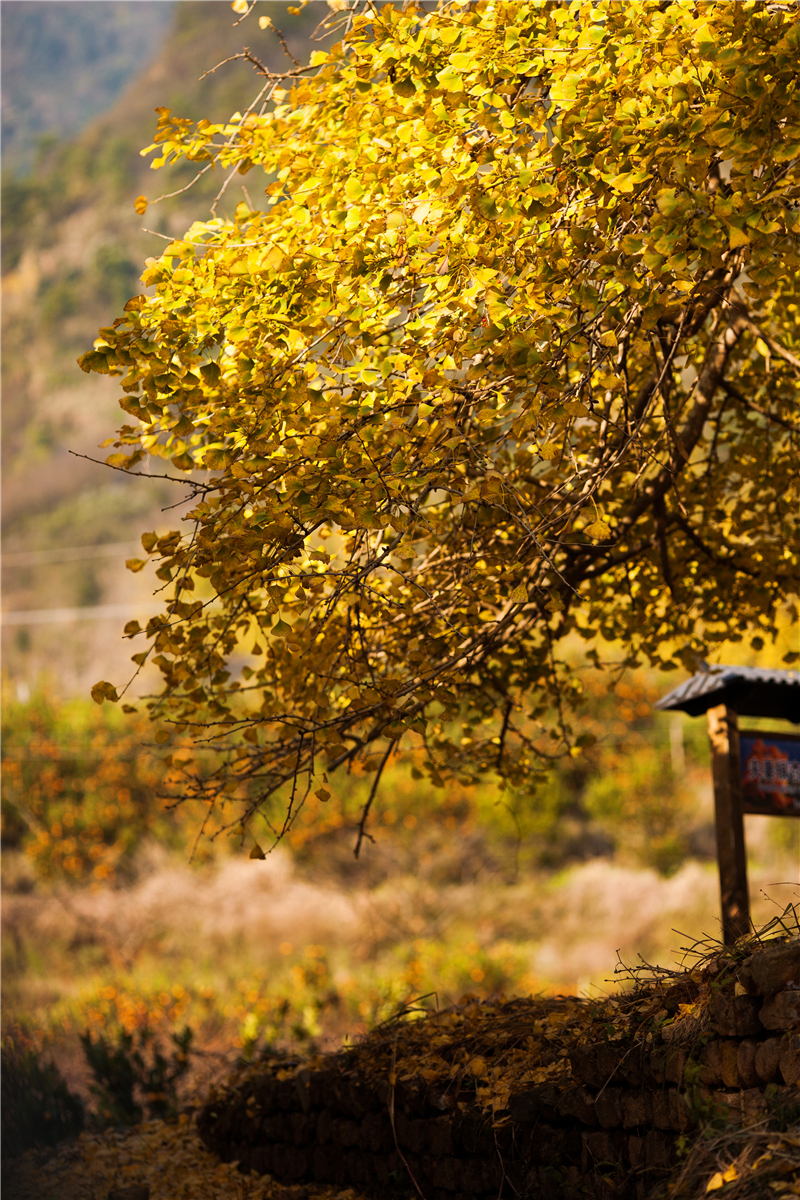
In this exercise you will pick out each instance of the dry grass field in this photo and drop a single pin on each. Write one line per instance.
(278, 953)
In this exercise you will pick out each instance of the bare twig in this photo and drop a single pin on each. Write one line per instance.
(247, 14)
(362, 824)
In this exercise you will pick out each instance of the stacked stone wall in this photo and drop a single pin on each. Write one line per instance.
(607, 1128)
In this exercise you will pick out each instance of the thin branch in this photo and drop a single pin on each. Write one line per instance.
(259, 66)
(179, 192)
(503, 732)
(198, 487)
(282, 41)
(721, 561)
(776, 348)
(735, 394)
(362, 824)
(660, 513)
(247, 14)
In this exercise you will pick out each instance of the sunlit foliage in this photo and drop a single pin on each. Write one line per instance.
(502, 344)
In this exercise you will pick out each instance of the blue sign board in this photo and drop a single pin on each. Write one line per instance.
(770, 773)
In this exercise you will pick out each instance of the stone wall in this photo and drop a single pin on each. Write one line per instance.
(607, 1127)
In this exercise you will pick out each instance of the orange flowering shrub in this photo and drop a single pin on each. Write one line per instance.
(80, 788)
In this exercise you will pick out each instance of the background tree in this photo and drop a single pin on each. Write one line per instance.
(508, 352)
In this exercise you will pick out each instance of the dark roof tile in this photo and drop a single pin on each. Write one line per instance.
(750, 691)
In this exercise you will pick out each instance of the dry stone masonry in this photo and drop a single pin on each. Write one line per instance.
(721, 1045)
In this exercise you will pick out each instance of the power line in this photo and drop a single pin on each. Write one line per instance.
(36, 558)
(47, 616)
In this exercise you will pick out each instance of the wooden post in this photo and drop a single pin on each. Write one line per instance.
(723, 733)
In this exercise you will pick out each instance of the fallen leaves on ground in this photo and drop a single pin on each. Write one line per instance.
(742, 1164)
(168, 1157)
(478, 1053)
(482, 1052)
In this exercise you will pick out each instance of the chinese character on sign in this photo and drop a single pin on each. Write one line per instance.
(770, 765)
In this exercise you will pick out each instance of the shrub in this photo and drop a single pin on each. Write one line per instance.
(85, 783)
(38, 1109)
(132, 1074)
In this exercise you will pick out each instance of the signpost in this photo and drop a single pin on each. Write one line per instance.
(723, 735)
(753, 771)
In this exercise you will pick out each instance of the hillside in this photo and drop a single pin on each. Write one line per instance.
(73, 248)
(66, 62)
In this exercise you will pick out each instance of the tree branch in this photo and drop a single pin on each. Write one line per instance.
(362, 824)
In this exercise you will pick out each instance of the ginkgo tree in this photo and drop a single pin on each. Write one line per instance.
(497, 344)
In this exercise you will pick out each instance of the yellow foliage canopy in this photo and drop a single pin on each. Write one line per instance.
(505, 346)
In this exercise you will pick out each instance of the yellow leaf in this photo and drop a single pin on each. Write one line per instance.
(721, 1178)
(240, 6)
(257, 852)
(449, 79)
(763, 348)
(354, 188)
(275, 260)
(519, 594)
(737, 237)
(104, 691)
(704, 39)
(322, 794)
(134, 564)
(739, 989)
(477, 1067)
(597, 530)
(264, 22)
(140, 205)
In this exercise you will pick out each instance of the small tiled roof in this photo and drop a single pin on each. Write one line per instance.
(750, 691)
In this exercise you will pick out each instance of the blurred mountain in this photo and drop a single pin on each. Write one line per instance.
(73, 249)
(66, 61)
